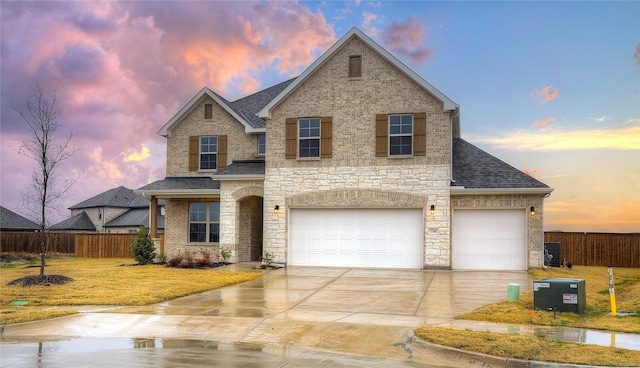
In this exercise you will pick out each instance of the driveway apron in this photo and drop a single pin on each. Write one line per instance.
(360, 312)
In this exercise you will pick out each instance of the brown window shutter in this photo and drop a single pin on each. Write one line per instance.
(326, 136)
(194, 150)
(382, 135)
(222, 152)
(291, 140)
(420, 134)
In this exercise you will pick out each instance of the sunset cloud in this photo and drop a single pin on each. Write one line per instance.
(367, 23)
(545, 94)
(121, 69)
(533, 173)
(407, 39)
(543, 123)
(625, 138)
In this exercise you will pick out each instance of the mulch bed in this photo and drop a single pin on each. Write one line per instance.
(45, 280)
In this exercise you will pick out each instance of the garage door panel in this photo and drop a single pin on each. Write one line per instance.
(489, 240)
(357, 237)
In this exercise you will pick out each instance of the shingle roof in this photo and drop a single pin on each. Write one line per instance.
(116, 197)
(135, 217)
(474, 168)
(10, 220)
(249, 106)
(80, 221)
(243, 167)
(180, 183)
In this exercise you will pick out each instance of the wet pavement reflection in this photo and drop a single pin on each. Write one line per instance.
(141, 352)
(294, 317)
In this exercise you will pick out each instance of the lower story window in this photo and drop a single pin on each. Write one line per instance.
(204, 222)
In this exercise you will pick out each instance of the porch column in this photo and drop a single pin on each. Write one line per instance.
(153, 217)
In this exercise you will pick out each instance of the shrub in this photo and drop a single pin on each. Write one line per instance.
(143, 250)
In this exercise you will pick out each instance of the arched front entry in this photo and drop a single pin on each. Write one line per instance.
(250, 229)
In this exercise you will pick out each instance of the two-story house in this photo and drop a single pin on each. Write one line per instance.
(357, 162)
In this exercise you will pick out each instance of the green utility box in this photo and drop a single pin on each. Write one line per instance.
(560, 294)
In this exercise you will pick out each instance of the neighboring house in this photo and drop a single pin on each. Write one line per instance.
(11, 221)
(80, 223)
(118, 210)
(357, 162)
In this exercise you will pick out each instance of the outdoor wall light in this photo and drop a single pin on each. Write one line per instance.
(276, 208)
(533, 210)
(433, 209)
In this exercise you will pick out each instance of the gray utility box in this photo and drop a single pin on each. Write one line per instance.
(559, 294)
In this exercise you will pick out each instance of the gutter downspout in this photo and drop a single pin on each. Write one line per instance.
(457, 114)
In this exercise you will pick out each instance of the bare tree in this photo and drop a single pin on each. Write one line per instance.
(49, 151)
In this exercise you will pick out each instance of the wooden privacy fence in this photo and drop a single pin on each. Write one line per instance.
(598, 249)
(29, 242)
(107, 245)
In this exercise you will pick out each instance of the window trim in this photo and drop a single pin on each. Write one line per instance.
(264, 145)
(208, 111)
(208, 222)
(351, 72)
(391, 135)
(200, 153)
(318, 138)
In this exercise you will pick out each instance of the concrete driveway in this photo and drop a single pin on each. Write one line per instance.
(297, 312)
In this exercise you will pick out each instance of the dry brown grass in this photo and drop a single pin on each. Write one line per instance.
(521, 312)
(515, 346)
(105, 282)
(627, 291)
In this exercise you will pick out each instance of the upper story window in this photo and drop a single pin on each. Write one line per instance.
(400, 134)
(208, 111)
(355, 66)
(204, 222)
(208, 152)
(100, 213)
(262, 145)
(309, 137)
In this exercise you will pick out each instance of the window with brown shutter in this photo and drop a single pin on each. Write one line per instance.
(291, 138)
(194, 152)
(420, 134)
(222, 151)
(355, 66)
(382, 140)
(326, 137)
(208, 111)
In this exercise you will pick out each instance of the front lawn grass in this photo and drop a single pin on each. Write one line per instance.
(539, 348)
(107, 281)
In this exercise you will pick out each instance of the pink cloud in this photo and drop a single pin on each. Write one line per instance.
(543, 122)
(407, 39)
(533, 173)
(122, 69)
(546, 94)
(367, 23)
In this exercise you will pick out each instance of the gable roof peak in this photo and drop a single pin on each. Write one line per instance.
(449, 105)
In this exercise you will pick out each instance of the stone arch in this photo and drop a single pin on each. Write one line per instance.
(247, 192)
(356, 198)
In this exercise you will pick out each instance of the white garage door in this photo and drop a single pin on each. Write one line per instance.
(390, 238)
(489, 240)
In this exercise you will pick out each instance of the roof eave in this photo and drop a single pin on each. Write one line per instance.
(180, 193)
(165, 131)
(237, 177)
(459, 190)
(449, 105)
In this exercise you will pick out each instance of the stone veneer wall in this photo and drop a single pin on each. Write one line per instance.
(361, 187)
(354, 168)
(535, 234)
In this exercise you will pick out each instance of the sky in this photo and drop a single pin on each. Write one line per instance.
(551, 88)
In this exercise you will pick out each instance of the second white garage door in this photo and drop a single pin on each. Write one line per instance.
(489, 240)
(389, 238)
